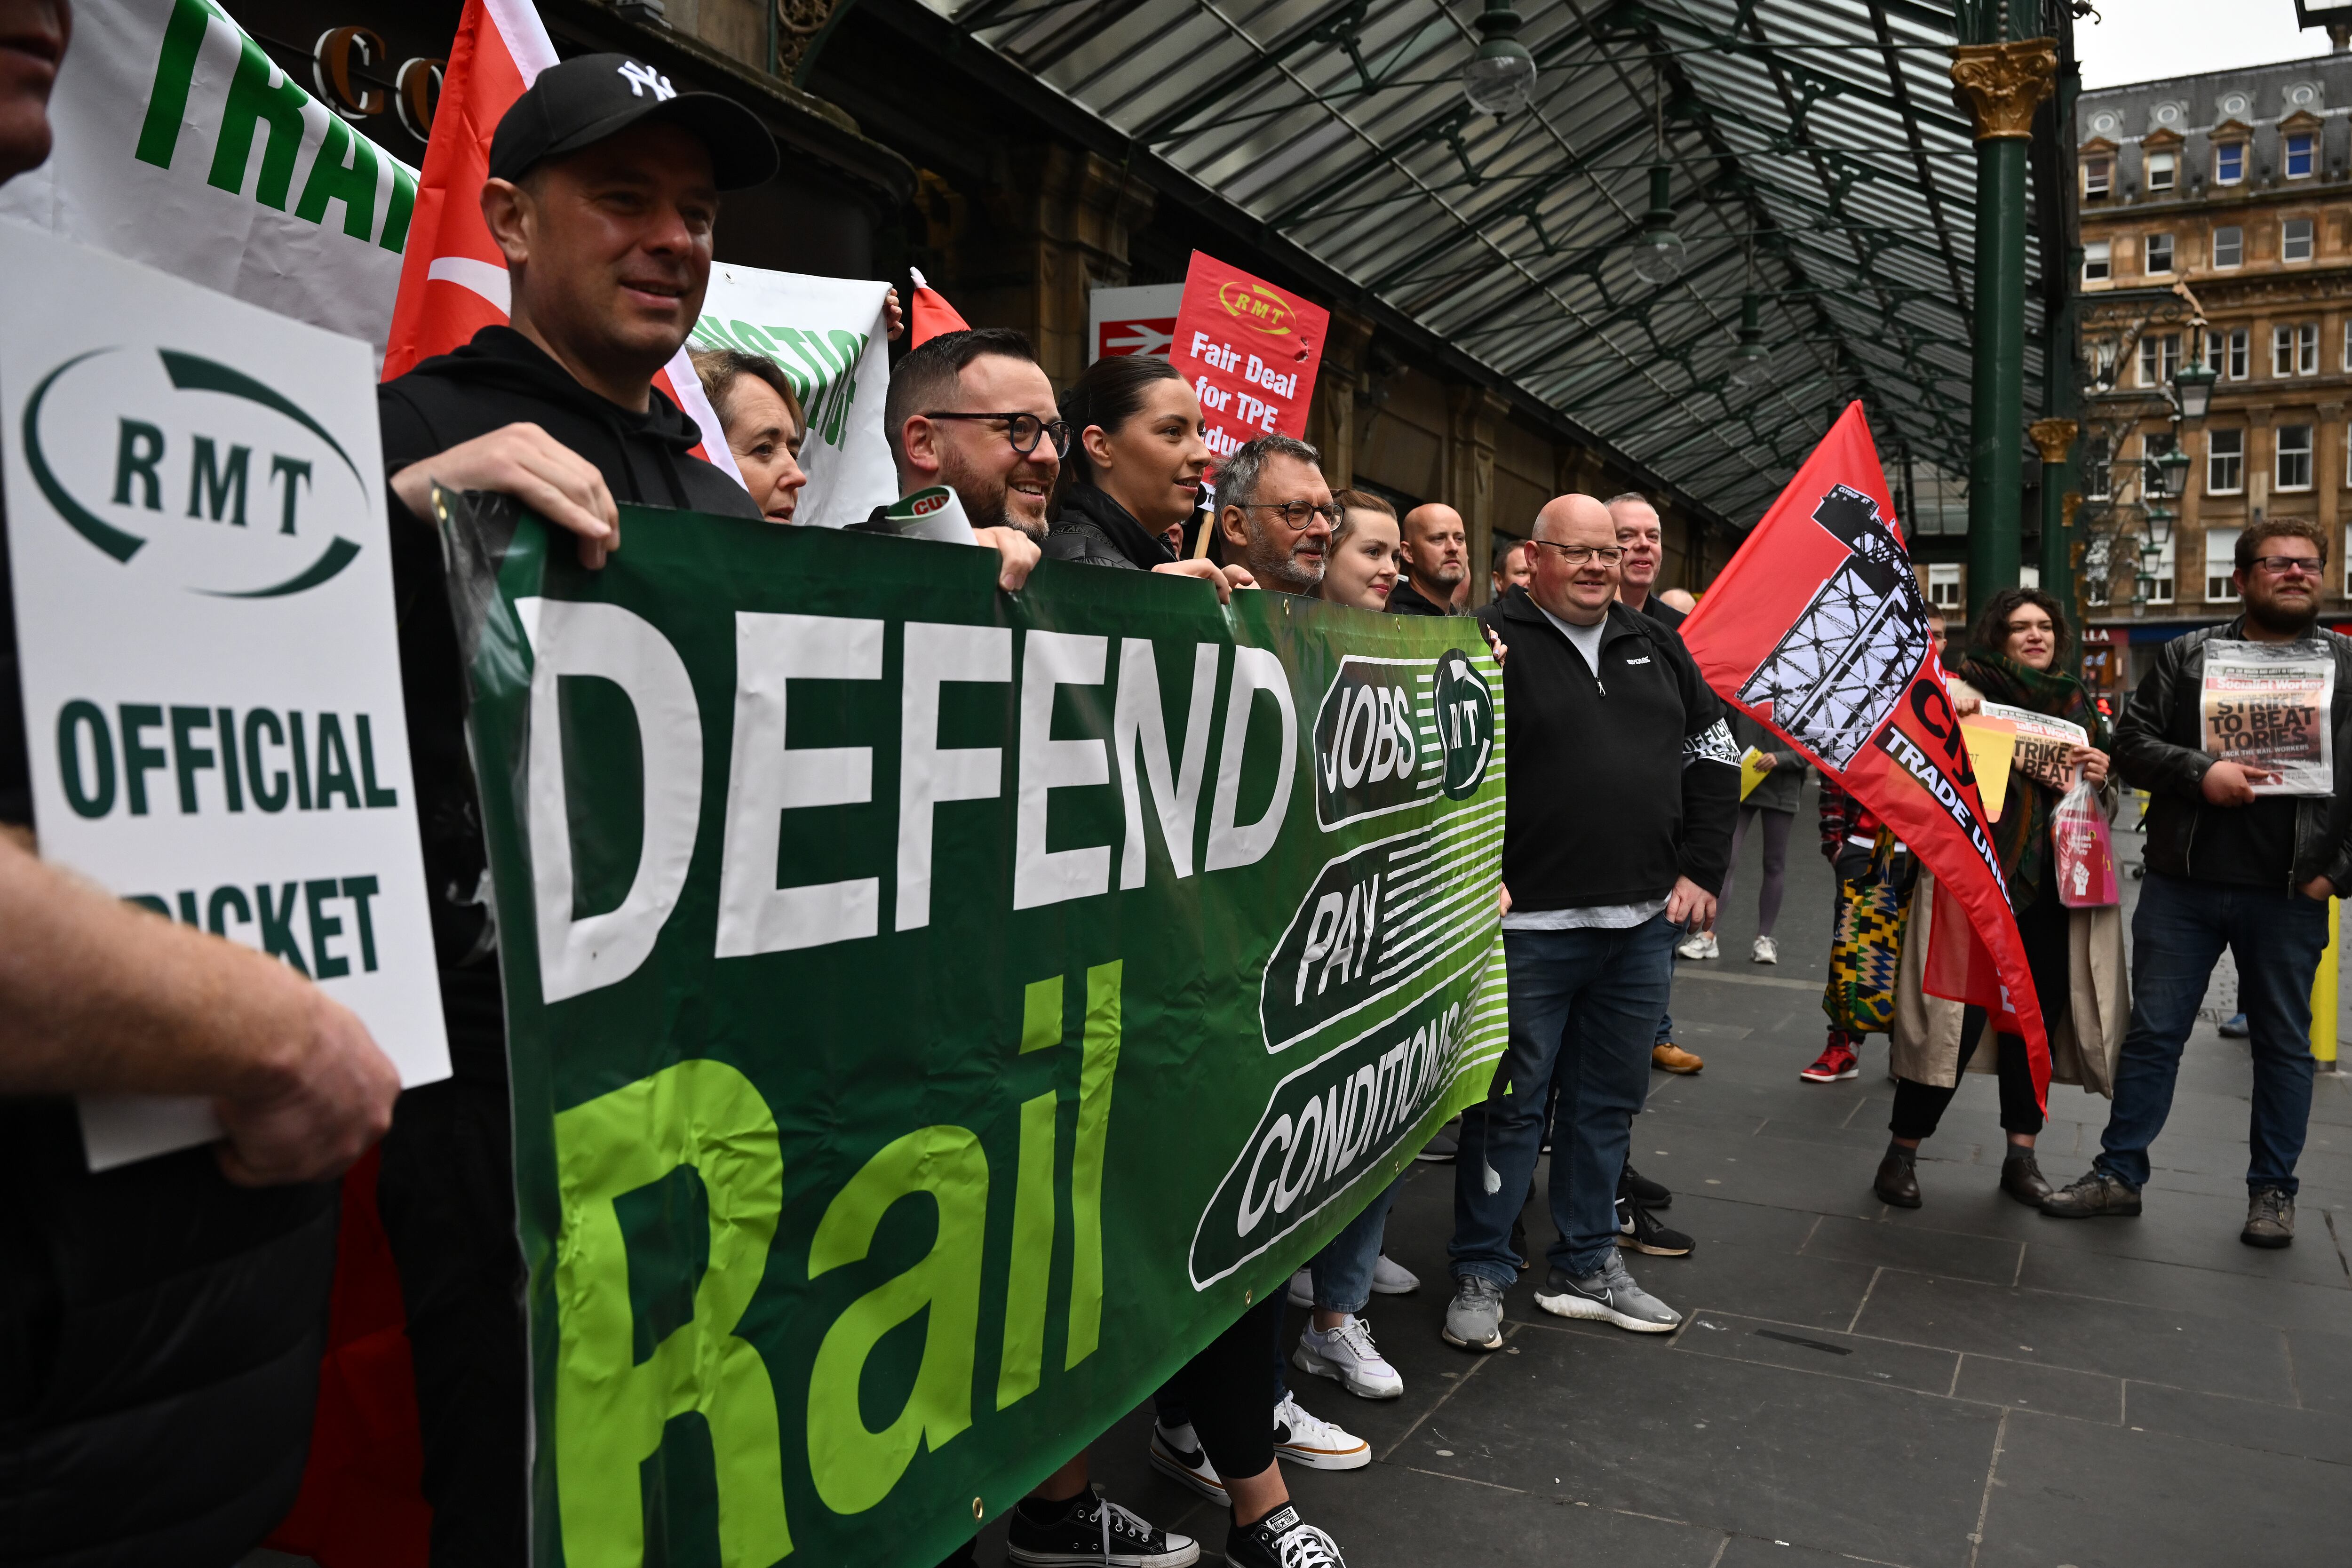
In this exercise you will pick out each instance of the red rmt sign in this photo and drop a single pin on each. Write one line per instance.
(1250, 349)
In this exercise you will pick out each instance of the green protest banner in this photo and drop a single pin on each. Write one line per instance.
(935, 1014)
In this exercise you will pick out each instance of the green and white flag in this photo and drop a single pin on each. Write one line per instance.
(826, 334)
(181, 144)
(935, 1014)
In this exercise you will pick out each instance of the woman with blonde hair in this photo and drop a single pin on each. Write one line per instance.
(761, 419)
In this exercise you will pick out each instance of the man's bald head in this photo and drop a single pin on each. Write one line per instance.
(1559, 512)
(1436, 550)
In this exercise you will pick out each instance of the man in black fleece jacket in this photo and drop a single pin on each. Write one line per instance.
(1617, 832)
(603, 199)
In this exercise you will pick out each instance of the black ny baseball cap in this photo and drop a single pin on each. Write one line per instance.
(584, 100)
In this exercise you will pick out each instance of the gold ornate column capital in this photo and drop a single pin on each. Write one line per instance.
(2052, 438)
(2001, 84)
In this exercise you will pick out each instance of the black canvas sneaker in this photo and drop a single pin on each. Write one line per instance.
(1094, 1532)
(1281, 1540)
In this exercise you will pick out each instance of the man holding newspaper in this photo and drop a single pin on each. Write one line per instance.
(2234, 735)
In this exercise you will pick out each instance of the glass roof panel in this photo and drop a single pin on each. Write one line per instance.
(1815, 156)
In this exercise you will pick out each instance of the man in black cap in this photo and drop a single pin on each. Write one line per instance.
(603, 194)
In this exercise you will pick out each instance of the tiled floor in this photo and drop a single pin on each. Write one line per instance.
(1967, 1383)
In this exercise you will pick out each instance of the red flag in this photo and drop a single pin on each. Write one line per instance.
(1960, 968)
(363, 1502)
(453, 276)
(1817, 630)
(933, 314)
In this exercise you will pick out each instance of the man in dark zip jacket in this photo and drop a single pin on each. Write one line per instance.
(2229, 867)
(603, 196)
(1624, 786)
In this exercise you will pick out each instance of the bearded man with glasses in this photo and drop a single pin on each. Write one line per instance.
(1274, 512)
(2244, 849)
(973, 411)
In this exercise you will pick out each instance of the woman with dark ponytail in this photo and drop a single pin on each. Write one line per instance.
(1133, 477)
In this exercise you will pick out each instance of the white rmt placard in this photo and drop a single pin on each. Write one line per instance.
(195, 513)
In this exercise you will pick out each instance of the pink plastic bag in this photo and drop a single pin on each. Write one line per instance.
(2086, 855)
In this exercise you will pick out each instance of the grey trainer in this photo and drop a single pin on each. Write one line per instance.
(2096, 1192)
(1473, 1320)
(2270, 1219)
(1607, 1294)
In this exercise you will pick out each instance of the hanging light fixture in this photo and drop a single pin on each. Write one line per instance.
(1501, 77)
(1751, 361)
(1658, 249)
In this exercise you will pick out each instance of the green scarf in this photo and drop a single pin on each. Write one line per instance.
(2022, 836)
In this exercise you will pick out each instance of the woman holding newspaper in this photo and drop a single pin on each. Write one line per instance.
(2015, 694)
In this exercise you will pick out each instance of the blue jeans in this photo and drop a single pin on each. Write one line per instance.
(1585, 1007)
(2178, 934)
(1342, 1271)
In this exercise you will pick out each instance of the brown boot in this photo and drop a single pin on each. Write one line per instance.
(1674, 1059)
(1898, 1181)
(2021, 1179)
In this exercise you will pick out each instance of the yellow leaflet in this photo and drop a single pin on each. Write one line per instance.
(1991, 744)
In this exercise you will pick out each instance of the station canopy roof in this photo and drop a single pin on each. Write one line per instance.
(1814, 153)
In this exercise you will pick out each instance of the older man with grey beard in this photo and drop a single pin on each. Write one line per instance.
(1274, 512)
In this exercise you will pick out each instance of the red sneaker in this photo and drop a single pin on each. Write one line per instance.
(1836, 1061)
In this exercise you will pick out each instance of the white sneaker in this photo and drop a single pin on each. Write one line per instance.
(1390, 1277)
(1347, 1356)
(1318, 1445)
(1176, 1453)
(1302, 1288)
(1694, 945)
(1766, 952)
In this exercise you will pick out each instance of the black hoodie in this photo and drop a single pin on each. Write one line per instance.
(500, 378)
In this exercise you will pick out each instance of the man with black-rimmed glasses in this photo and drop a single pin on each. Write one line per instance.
(1274, 512)
(973, 411)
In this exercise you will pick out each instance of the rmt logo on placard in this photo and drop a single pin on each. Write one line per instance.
(199, 472)
(641, 76)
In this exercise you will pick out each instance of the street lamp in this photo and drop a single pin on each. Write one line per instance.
(2193, 384)
(2172, 468)
(1500, 78)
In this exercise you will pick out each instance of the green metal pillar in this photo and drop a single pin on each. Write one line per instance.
(2051, 439)
(1999, 84)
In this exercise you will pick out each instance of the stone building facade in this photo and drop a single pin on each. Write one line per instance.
(2216, 225)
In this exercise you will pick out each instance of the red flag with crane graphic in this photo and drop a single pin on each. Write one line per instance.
(453, 276)
(1817, 629)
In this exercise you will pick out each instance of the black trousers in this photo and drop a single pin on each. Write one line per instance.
(1919, 1107)
(446, 1196)
(1228, 1393)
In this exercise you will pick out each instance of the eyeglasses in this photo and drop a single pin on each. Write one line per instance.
(1578, 554)
(2280, 565)
(1298, 516)
(1022, 430)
